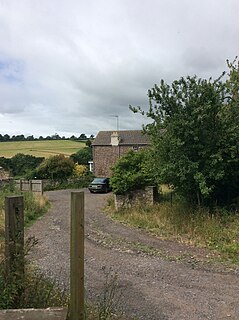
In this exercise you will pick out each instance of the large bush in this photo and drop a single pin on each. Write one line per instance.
(20, 165)
(130, 172)
(56, 167)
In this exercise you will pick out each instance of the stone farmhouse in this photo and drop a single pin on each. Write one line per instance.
(109, 146)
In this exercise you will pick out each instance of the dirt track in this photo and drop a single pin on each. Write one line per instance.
(159, 279)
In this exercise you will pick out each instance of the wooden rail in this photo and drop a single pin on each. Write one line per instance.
(30, 185)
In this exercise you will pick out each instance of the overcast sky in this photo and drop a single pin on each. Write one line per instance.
(69, 67)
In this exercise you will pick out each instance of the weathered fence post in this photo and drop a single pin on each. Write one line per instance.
(76, 311)
(14, 235)
(30, 185)
(20, 184)
(41, 187)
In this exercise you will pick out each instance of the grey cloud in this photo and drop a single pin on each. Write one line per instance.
(86, 61)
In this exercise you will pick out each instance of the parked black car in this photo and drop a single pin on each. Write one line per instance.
(100, 185)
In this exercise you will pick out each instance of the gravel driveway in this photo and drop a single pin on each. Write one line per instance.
(159, 279)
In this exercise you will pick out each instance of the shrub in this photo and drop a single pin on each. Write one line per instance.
(56, 167)
(130, 172)
(79, 170)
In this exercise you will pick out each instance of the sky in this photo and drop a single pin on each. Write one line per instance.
(72, 67)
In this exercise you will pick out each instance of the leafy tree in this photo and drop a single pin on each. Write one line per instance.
(88, 143)
(30, 138)
(6, 137)
(195, 136)
(129, 173)
(82, 136)
(55, 137)
(19, 137)
(56, 167)
(83, 156)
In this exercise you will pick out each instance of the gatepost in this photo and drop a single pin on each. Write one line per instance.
(76, 311)
(14, 235)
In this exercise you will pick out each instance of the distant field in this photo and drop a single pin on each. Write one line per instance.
(40, 148)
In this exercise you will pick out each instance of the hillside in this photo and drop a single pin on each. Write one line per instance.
(45, 148)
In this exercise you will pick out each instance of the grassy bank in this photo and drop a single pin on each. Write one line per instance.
(34, 207)
(179, 222)
(45, 148)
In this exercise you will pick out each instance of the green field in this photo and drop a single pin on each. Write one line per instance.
(45, 148)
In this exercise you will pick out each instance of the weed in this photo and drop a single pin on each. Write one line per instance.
(110, 298)
(28, 289)
(33, 290)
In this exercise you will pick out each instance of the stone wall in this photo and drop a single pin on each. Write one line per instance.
(148, 196)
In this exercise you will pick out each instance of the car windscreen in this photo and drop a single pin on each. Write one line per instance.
(99, 180)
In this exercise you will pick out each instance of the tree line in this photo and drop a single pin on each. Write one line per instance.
(56, 167)
(21, 137)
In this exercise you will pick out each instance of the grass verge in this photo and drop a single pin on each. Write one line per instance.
(35, 205)
(194, 226)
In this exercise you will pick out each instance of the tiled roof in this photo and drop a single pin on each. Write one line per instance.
(127, 137)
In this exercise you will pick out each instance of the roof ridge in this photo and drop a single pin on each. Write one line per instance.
(130, 137)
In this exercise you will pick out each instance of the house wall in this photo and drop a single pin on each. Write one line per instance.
(104, 158)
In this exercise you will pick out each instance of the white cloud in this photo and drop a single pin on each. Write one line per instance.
(82, 62)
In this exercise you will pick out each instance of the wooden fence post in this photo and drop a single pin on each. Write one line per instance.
(76, 311)
(30, 185)
(41, 187)
(20, 184)
(14, 235)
